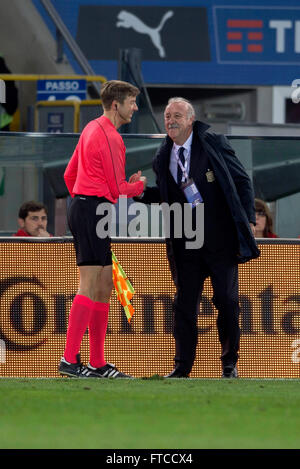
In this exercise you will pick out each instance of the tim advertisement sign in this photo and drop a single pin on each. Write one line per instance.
(257, 35)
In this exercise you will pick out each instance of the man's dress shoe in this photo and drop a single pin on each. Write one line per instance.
(176, 373)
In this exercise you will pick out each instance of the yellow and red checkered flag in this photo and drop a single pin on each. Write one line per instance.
(123, 287)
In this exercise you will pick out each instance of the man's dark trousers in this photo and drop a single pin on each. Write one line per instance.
(216, 260)
(195, 267)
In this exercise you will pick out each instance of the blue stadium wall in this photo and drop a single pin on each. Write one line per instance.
(199, 42)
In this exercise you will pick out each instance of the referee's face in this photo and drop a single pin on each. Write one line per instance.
(127, 109)
(178, 124)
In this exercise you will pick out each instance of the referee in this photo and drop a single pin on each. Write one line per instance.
(96, 174)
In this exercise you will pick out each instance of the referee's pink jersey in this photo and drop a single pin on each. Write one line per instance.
(97, 166)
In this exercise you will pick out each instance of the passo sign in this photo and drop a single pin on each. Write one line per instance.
(52, 90)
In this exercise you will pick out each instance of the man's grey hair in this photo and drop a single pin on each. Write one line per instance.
(179, 99)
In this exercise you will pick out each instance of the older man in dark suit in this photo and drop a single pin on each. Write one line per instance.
(191, 154)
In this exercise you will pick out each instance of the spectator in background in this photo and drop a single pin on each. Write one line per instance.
(264, 221)
(33, 219)
(8, 108)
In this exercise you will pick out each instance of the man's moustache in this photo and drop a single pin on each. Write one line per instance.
(173, 126)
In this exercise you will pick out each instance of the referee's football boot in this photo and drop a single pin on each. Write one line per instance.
(73, 370)
(106, 371)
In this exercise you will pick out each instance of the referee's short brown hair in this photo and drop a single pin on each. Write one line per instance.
(116, 90)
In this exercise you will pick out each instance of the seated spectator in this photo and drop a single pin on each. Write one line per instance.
(264, 221)
(33, 219)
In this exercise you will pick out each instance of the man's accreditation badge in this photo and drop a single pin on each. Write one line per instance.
(191, 193)
(210, 176)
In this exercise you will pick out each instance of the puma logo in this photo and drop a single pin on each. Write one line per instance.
(128, 20)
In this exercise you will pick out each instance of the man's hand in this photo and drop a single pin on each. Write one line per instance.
(43, 233)
(144, 181)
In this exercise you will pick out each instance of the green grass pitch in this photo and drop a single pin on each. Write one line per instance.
(149, 413)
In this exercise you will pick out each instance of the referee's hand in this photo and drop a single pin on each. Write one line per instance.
(135, 177)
